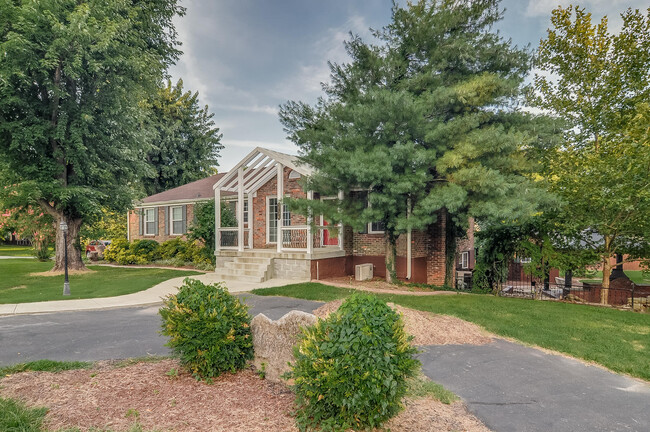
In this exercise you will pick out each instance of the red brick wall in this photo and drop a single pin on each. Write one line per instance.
(436, 263)
(331, 267)
(134, 224)
(292, 188)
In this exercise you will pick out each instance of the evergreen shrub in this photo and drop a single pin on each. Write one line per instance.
(208, 327)
(351, 369)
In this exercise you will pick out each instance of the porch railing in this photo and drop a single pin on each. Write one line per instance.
(295, 237)
(229, 238)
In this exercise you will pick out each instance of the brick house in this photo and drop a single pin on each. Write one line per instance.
(271, 241)
(169, 214)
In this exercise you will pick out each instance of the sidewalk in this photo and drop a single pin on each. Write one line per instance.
(150, 296)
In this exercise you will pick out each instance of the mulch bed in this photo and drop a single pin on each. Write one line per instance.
(114, 397)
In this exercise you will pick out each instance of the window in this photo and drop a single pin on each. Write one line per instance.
(272, 219)
(177, 220)
(150, 221)
(376, 228)
(246, 211)
(464, 260)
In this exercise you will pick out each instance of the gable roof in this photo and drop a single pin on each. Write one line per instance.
(259, 166)
(196, 191)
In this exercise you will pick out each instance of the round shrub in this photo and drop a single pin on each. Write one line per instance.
(208, 327)
(149, 250)
(350, 369)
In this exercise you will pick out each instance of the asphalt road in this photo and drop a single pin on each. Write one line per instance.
(106, 334)
(508, 386)
(515, 388)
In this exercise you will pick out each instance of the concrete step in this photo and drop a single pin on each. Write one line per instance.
(240, 278)
(242, 272)
(253, 260)
(261, 267)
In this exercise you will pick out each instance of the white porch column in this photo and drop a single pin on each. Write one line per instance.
(217, 220)
(251, 220)
(240, 209)
(341, 224)
(310, 219)
(409, 252)
(280, 196)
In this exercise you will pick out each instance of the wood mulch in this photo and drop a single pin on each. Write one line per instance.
(428, 328)
(380, 286)
(115, 398)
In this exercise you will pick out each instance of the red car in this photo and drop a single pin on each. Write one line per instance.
(96, 246)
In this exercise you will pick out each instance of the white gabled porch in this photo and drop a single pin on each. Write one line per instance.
(267, 238)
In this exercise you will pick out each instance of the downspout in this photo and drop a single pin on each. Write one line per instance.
(409, 254)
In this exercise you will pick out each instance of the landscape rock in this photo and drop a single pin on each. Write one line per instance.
(273, 341)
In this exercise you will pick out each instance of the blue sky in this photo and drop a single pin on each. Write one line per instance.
(246, 57)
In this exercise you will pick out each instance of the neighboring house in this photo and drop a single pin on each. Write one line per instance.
(271, 241)
(169, 214)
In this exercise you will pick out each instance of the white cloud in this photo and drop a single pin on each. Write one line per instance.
(305, 83)
(266, 109)
(538, 8)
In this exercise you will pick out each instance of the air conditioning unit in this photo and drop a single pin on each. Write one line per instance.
(363, 272)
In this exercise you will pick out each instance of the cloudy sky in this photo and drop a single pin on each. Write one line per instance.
(246, 57)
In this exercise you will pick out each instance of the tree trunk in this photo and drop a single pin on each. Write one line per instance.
(74, 254)
(607, 271)
(391, 252)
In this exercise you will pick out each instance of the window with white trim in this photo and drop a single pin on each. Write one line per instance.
(150, 221)
(246, 211)
(272, 219)
(177, 220)
(464, 260)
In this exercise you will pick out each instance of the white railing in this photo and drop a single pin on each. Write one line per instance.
(229, 238)
(295, 237)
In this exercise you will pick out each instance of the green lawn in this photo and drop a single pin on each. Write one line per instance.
(637, 276)
(18, 251)
(17, 286)
(616, 339)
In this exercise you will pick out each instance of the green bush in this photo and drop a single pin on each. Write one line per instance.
(147, 249)
(171, 248)
(208, 327)
(117, 247)
(351, 369)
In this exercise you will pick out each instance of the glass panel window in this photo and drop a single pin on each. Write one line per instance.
(272, 219)
(246, 211)
(377, 227)
(177, 220)
(150, 221)
(464, 260)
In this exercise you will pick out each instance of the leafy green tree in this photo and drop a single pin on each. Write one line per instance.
(426, 119)
(599, 83)
(185, 143)
(203, 227)
(72, 78)
(111, 225)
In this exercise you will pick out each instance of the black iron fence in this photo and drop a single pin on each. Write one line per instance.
(633, 296)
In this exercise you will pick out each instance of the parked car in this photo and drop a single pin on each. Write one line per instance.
(96, 246)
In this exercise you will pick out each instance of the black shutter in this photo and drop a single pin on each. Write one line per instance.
(184, 224)
(167, 230)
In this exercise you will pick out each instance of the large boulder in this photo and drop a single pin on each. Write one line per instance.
(273, 341)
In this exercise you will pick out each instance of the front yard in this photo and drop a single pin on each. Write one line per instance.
(616, 339)
(22, 281)
(17, 251)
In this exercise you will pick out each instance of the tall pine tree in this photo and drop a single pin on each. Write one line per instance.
(425, 118)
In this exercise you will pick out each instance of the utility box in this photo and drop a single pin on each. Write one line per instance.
(363, 272)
